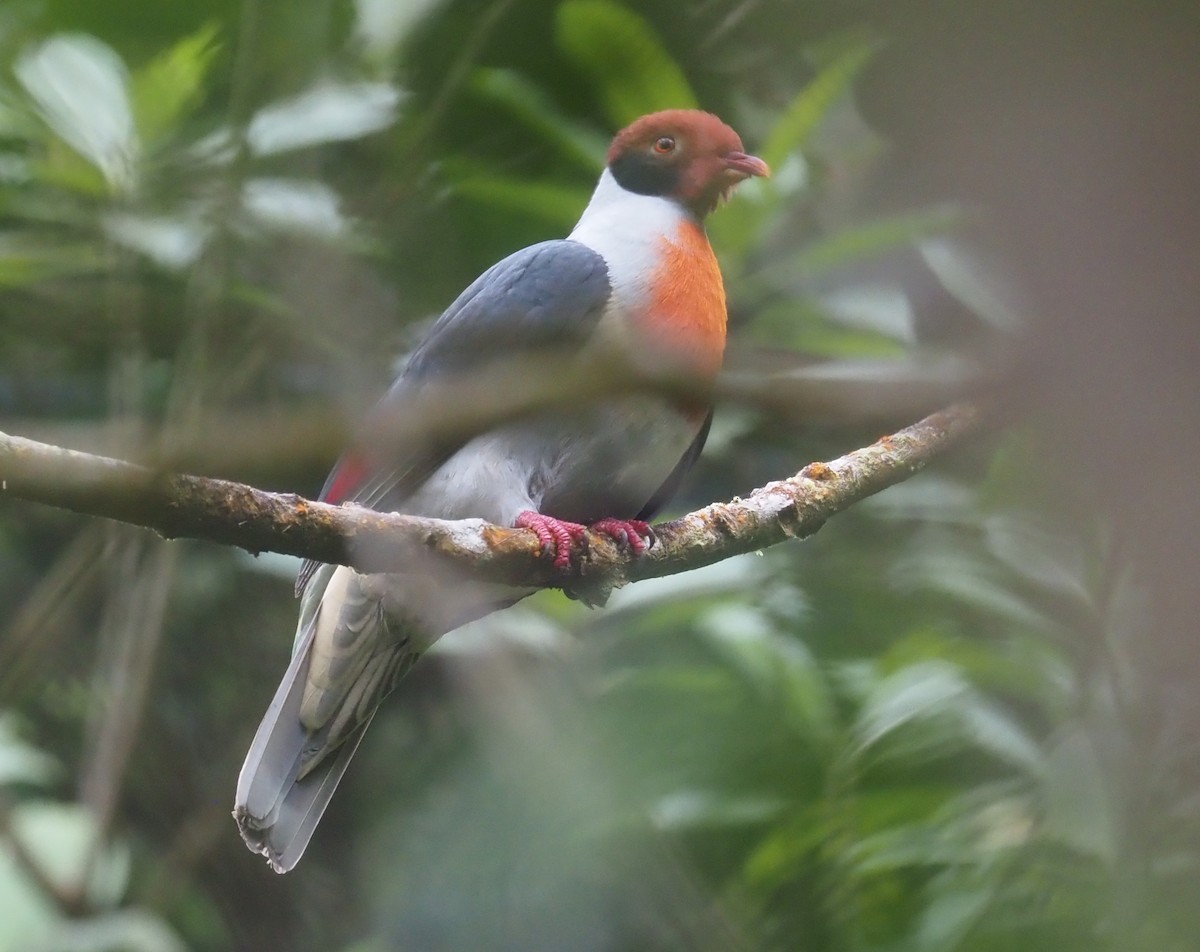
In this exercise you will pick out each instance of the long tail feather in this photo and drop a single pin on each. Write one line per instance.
(347, 658)
(294, 765)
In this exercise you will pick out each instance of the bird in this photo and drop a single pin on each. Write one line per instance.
(635, 284)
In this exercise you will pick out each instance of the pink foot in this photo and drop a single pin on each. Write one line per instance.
(631, 532)
(555, 535)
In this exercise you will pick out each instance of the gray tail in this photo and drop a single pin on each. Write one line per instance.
(276, 813)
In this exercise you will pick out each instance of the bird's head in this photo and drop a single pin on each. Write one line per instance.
(685, 155)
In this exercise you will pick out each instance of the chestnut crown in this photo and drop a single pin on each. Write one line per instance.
(685, 155)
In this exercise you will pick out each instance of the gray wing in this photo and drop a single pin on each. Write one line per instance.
(545, 297)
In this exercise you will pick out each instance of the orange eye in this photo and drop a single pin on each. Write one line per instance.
(664, 145)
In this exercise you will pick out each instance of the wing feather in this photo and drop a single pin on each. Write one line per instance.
(549, 295)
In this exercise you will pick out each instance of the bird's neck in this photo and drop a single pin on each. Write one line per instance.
(624, 227)
(663, 273)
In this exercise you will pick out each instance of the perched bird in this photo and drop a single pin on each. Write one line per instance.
(635, 281)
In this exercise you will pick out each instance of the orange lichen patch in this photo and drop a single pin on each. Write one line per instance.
(818, 471)
(504, 542)
(686, 317)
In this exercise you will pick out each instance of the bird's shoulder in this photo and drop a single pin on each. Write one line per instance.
(550, 294)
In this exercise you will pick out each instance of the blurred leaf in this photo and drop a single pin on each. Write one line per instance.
(693, 809)
(780, 668)
(61, 167)
(27, 915)
(928, 497)
(932, 689)
(883, 310)
(623, 58)
(972, 281)
(381, 25)
(530, 105)
(295, 205)
(17, 120)
(805, 328)
(171, 242)
(805, 112)
(950, 916)
(971, 581)
(25, 260)
(557, 204)
(1079, 809)
(778, 856)
(20, 762)
(333, 112)
(913, 692)
(127, 930)
(992, 729)
(859, 244)
(172, 83)
(1049, 560)
(81, 88)
(61, 839)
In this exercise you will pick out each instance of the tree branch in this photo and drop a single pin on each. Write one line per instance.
(182, 506)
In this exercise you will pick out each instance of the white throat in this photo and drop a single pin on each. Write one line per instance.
(627, 230)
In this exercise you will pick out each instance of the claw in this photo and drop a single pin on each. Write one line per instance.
(635, 533)
(555, 535)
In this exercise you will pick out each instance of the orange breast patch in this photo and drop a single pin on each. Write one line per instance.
(686, 316)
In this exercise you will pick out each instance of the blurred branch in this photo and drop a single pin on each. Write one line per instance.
(182, 506)
(778, 384)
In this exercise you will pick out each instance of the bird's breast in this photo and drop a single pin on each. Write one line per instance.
(683, 313)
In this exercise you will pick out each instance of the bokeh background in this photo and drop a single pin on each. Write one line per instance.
(964, 716)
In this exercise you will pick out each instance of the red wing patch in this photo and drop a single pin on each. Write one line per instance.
(345, 480)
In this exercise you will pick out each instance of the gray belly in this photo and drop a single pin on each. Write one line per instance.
(614, 460)
(605, 461)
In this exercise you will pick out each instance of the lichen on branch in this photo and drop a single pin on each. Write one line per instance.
(195, 507)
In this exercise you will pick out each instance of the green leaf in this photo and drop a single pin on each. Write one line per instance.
(916, 691)
(624, 59)
(860, 243)
(950, 916)
(81, 89)
(803, 327)
(171, 83)
(25, 261)
(807, 109)
(1080, 811)
(778, 667)
(931, 690)
(19, 761)
(785, 850)
(527, 103)
(558, 204)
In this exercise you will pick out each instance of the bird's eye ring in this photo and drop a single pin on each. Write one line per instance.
(664, 145)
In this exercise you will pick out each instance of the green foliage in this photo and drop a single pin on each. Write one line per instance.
(49, 844)
(627, 66)
(927, 728)
(167, 88)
